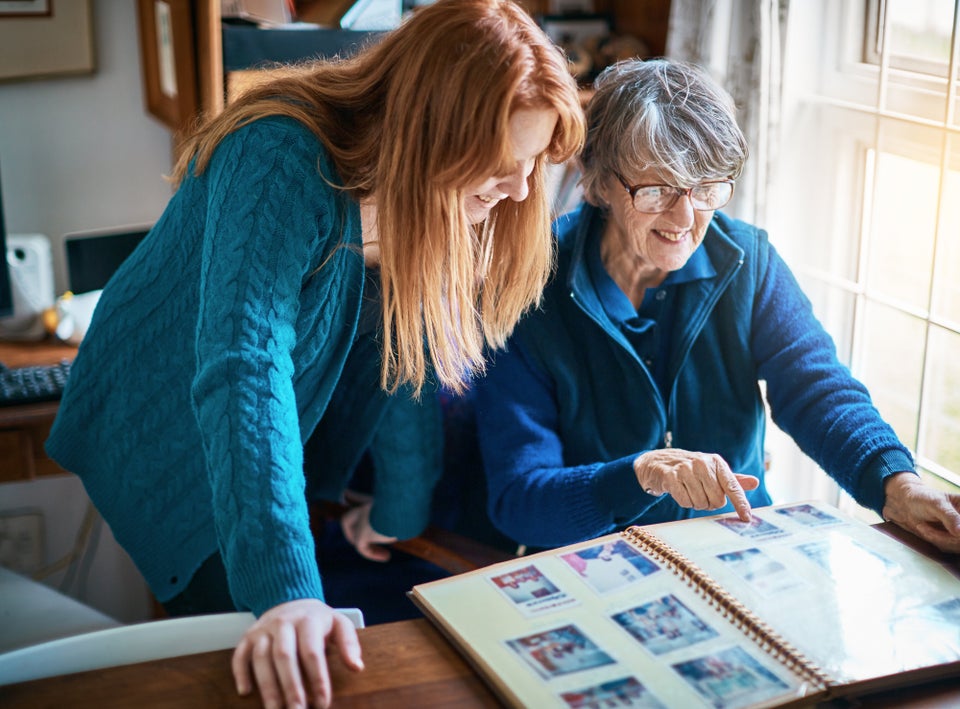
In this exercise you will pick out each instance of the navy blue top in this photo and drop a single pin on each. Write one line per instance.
(565, 410)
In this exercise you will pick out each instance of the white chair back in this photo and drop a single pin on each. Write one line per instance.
(129, 644)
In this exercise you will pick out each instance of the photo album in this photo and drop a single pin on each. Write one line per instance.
(801, 604)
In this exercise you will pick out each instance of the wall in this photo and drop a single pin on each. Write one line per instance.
(81, 153)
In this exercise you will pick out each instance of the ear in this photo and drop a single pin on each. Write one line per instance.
(602, 195)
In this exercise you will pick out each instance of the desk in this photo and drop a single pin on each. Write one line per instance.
(408, 664)
(25, 427)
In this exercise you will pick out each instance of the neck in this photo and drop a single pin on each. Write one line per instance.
(629, 271)
(369, 233)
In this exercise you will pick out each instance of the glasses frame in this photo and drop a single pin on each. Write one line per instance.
(678, 192)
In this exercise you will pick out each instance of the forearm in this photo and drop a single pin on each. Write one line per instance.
(407, 452)
(561, 505)
(534, 495)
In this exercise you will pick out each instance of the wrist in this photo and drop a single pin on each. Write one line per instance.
(899, 480)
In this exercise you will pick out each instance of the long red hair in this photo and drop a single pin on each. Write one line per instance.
(411, 120)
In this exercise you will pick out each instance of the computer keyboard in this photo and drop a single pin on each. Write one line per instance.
(25, 385)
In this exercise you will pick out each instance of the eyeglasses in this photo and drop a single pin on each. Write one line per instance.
(653, 199)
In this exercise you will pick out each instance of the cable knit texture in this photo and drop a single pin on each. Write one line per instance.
(214, 353)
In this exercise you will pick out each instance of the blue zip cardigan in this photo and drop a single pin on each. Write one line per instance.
(563, 412)
(225, 340)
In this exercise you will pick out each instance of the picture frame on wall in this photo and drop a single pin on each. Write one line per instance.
(25, 8)
(580, 37)
(39, 40)
(575, 29)
(168, 61)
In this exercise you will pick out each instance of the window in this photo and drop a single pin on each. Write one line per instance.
(918, 33)
(866, 209)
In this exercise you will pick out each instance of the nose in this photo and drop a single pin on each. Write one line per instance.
(515, 184)
(682, 206)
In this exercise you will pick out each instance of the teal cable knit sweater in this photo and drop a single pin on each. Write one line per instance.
(215, 351)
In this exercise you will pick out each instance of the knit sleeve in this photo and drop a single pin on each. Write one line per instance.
(814, 397)
(533, 495)
(407, 451)
(266, 211)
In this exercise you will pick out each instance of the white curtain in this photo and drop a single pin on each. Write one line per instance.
(741, 43)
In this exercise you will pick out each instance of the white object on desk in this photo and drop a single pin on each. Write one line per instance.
(130, 644)
(74, 313)
(31, 281)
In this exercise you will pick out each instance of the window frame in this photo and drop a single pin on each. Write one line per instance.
(848, 77)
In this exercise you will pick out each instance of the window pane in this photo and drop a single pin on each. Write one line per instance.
(939, 483)
(890, 358)
(835, 308)
(941, 402)
(816, 200)
(920, 29)
(946, 291)
(903, 225)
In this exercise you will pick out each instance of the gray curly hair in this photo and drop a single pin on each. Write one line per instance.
(662, 114)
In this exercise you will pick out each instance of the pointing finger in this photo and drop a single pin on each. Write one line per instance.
(734, 491)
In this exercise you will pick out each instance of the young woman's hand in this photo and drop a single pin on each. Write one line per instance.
(282, 654)
(367, 541)
(702, 481)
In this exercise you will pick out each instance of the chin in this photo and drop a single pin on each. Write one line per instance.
(477, 210)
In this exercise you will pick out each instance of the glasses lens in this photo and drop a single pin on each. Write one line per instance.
(711, 195)
(653, 199)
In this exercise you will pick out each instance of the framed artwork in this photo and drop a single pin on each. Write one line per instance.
(168, 61)
(40, 38)
(25, 8)
(575, 29)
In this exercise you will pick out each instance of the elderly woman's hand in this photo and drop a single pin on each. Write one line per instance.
(702, 481)
(929, 513)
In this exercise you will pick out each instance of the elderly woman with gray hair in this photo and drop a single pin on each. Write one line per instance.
(631, 396)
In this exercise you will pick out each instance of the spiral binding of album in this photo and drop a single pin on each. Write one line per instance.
(729, 607)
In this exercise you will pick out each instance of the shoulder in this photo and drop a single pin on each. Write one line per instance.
(570, 232)
(278, 128)
(276, 142)
(735, 239)
(567, 227)
(740, 232)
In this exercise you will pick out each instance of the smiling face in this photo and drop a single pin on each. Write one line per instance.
(638, 249)
(530, 134)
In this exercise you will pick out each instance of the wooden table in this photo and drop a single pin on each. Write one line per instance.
(408, 664)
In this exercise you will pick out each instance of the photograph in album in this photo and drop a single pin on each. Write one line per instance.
(801, 604)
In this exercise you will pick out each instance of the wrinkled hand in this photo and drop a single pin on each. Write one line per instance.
(929, 513)
(367, 541)
(702, 481)
(285, 651)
